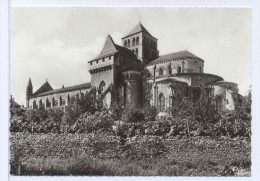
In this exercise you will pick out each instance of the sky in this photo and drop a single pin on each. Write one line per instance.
(56, 43)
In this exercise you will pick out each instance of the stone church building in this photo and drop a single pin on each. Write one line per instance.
(136, 74)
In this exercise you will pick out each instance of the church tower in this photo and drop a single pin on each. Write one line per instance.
(142, 43)
(29, 92)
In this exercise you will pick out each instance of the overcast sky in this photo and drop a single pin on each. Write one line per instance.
(56, 43)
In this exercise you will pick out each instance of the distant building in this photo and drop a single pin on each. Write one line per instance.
(13, 103)
(135, 74)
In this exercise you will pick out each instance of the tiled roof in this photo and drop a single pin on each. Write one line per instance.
(44, 88)
(138, 28)
(125, 51)
(14, 104)
(175, 55)
(110, 48)
(68, 89)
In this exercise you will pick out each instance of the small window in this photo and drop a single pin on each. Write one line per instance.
(128, 43)
(103, 60)
(170, 69)
(97, 61)
(109, 58)
(133, 42)
(136, 52)
(179, 69)
(160, 71)
(137, 41)
(91, 63)
(227, 101)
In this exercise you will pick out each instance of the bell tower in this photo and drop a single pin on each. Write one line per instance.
(142, 43)
(29, 92)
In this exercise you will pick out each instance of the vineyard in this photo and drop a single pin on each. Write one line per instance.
(99, 154)
(88, 139)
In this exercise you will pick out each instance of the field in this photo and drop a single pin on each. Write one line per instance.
(100, 154)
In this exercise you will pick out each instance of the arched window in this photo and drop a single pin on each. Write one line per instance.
(125, 43)
(133, 42)
(128, 43)
(53, 102)
(160, 71)
(102, 86)
(60, 101)
(196, 93)
(40, 104)
(170, 69)
(137, 41)
(68, 99)
(47, 103)
(124, 94)
(34, 104)
(179, 69)
(147, 74)
(136, 52)
(219, 101)
(161, 102)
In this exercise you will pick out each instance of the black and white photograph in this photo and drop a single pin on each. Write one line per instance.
(130, 91)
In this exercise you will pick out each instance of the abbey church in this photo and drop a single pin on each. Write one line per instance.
(135, 74)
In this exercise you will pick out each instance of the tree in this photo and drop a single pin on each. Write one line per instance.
(205, 112)
(76, 107)
(182, 112)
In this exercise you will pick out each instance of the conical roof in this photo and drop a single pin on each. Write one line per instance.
(44, 88)
(29, 83)
(137, 29)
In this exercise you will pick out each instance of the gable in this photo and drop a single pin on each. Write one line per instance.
(109, 46)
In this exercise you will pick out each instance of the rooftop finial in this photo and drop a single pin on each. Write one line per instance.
(46, 79)
(139, 17)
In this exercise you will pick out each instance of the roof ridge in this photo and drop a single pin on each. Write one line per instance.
(175, 55)
(138, 28)
(44, 88)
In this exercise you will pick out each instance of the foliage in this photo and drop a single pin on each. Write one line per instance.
(133, 115)
(76, 107)
(46, 154)
(150, 113)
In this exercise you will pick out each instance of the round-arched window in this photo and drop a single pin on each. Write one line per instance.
(160, 71)
(170, 69)
(219, 101)
(196, 93)
(102, 86)
(133, 42)
(179, 69)
(161, 102)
